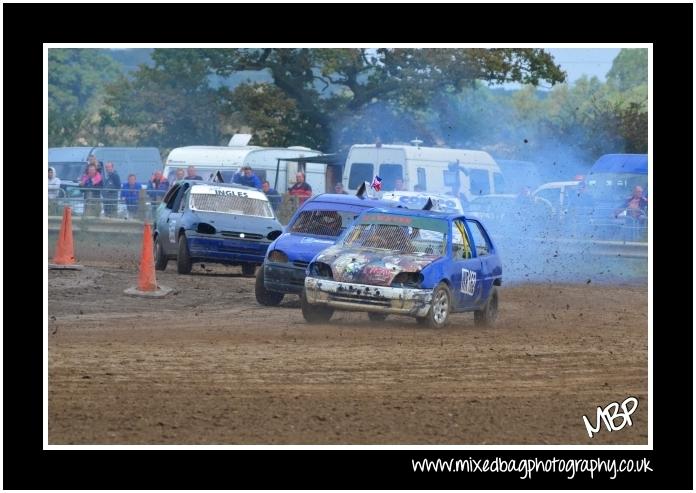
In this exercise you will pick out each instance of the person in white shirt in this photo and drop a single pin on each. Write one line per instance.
(53, 183)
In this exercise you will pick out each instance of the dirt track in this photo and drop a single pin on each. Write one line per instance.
(209, 365)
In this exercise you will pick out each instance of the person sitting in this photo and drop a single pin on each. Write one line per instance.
(191, 173)
(247, 178)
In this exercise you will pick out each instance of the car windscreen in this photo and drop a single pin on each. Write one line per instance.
(230, 204)
(323, 222)
(397, 233)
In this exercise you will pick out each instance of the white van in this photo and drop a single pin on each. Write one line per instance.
(427, 168)
(268, 163)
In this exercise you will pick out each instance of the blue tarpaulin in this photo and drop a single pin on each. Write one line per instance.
(621, 163)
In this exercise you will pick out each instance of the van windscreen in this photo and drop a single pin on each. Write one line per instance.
(479, 182)
(360, 172)
(389, 174)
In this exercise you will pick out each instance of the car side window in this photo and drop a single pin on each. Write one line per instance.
(461, 246)
(170, 196)
(176, 204)
(481, 241)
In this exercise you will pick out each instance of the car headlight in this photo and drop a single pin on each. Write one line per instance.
(320, 269)
(407, 280)
(278, 256)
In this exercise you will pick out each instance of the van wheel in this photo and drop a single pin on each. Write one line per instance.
(487, 316)
(183, 257)
(248, 270)
(314, 314)
(160, 258)
(263, 296)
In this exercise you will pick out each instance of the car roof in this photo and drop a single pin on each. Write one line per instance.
(418, 213)
(350, 199)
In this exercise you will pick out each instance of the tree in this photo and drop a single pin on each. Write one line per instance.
(170, 104)
(76, 79)
(328, 86)
(629, 69)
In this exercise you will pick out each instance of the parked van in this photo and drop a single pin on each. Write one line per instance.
(429, 168)
(268, 163)
(613, 177)
(70, 162)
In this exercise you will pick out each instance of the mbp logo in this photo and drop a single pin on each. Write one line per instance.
(609, 414)
(468, 281)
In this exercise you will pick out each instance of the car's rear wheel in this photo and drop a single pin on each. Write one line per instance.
(440, 308)
(487, 316)
(377, 317)
(263, 296)
(314, 314)
(248, 270)
(183, 257)
(160, 257)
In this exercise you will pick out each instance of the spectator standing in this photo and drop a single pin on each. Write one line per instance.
(247, 177)
(157, 187)
(272, 194)
(131, 195)
(91, 181)
(339, 189)
(191, 173)
(300, 189)
(112, 186)
(179, 174)
(53, 184)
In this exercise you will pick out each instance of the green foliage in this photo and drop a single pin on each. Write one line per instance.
(170, 104)
(630, 69)
(76, 78)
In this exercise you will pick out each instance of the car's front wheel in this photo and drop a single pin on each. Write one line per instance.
(160, 257)
(183, 257)
(314, 314)
(487, 316)
(440, 308)
(263, 296)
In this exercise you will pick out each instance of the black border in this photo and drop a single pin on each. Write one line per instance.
(26, 27)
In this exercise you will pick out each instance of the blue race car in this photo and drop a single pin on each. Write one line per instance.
(419, 263)
(214, 222)
(314, 226)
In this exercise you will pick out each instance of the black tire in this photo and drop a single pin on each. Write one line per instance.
(263, 296)
(487, 316)
(160, 257)
(377, 317)
(440, 308)
(248, 270)
(183, 257)
(314, 314)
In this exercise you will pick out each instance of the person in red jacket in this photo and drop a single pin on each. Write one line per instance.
(301, 188)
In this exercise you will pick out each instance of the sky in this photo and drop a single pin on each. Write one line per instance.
(587, 61)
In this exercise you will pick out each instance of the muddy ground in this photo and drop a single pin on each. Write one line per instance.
(207, 365)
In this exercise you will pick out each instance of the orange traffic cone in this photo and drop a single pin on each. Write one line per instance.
(147, 283)
(146, 279)
(64, 256)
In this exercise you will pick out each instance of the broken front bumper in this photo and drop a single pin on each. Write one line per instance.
(365, 298)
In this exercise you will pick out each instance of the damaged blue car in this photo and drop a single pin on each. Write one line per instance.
(419, 263)
(314, 226)
(214, 222)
